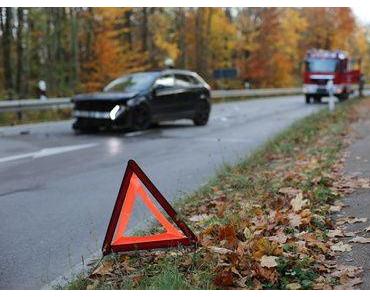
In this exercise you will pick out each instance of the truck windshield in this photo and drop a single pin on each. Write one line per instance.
(321, 65)
(132, 82)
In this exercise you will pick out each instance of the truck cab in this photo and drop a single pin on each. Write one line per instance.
(322, 66)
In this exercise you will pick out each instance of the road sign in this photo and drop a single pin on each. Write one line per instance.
(225, 73)
(131, 190)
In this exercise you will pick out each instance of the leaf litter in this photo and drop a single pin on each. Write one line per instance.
(270, 230)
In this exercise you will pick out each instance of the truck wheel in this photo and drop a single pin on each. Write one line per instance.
(317, 99)
(308, 99)
(343, 97)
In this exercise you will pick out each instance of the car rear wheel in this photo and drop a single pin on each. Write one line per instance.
(141, 117)
(202, 114)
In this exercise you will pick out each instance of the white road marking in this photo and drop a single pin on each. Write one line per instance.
(48, 152)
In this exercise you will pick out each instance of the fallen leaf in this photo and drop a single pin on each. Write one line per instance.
(220, 250)
(242, 282)
(351, 220)
(293, 286)
(103, 269)
(279, 238)
(228, 233)
(346, 270)
(298, 202)
(357, 220)
(224, 278)
(199, 218)
(294, 220)
(360, 239)
(335, 208)
(247, 233)
(290, 191)
(349, 234)
(367, 229)
(335, 233)
(269, 261)
(269, 274)
(349, 284)
(341, 247)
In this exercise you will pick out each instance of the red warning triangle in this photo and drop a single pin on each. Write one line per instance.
(132, 189)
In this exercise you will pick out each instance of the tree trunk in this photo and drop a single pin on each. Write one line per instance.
(19, 53)
(181, 27)
(7, 58)
(144, 29)
(199, 40)
(74, 49)
(128, 34)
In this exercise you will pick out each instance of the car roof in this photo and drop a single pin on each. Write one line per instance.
(177, 71)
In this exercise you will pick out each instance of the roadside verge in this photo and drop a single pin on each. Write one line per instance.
(265, 223)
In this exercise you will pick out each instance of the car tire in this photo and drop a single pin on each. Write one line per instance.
(343, 97)
(317, 99)
(202, 113)
(141, 117)
(83, 129)
(308, 99)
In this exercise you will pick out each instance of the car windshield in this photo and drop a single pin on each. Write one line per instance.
(321, 65)
(132, 82)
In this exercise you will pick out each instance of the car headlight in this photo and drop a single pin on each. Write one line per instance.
(116, 111)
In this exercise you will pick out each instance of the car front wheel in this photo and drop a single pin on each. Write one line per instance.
(141, 117)
(202, 114)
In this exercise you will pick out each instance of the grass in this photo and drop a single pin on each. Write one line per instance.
(32, 116)
(315, 141)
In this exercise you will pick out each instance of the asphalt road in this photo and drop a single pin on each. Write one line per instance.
(57, 189)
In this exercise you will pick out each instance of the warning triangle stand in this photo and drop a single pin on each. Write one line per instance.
(132, 189)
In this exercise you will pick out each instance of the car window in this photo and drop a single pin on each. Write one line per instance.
(132, 82)
(184, 80)
(167, 81)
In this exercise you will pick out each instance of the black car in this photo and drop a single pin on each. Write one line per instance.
(139, 100)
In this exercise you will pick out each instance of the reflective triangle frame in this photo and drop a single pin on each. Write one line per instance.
(109, 246)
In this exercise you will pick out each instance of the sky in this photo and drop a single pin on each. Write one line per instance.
(362, 14)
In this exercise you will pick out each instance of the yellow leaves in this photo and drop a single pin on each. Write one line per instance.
(263, 246)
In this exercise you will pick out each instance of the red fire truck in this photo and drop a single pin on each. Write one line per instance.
(322, 66)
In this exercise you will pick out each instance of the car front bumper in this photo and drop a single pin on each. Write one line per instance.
(96, 119)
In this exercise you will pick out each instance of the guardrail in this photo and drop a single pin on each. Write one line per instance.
(37, 104)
